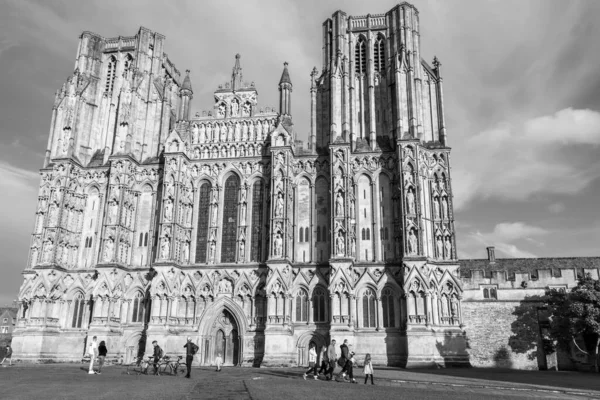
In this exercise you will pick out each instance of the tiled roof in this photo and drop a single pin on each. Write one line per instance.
(512, 265)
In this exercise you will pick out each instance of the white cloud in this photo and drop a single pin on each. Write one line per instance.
(536, 157)
(506, 237)
(556, 208)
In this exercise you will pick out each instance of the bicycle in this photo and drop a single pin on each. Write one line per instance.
(139, 366)
(173, 367)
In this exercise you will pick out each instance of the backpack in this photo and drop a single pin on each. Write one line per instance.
(161, 353)
(194, 349)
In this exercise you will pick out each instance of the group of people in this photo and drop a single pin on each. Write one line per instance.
(329, 359)
(98, 351)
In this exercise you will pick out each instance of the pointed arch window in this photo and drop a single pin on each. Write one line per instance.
(360, 56)
(318, 234)
(369, 309)
(306, 239)
(379, 54)
(387, 300)
(111, 73)
(301, 234)
(138, 308)
(301, 306)
(257, 220)
(203, 212)
(78, 309)
(319, 305)
(230, 219)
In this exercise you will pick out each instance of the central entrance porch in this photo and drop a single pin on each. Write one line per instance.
(225, 340)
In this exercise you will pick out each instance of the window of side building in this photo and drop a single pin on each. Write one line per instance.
(490, 292)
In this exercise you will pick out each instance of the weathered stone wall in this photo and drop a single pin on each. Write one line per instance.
(502, 334)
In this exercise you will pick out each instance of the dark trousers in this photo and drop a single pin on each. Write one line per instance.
(188, 364)
(367, 376)
(348, 369)
(329, 372)
(312, 369)
(324, 367)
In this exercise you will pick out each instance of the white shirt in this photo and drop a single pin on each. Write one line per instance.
(92, 348)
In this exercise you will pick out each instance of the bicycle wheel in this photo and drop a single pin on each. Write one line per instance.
(165, 368)
(181, 370)
(133, 368)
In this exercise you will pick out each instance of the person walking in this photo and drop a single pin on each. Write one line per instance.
(102, 350)
(218, 362)
(368, 369)
(7, 356)
(324, 360)
(345, 362)
(332, 357)
(190, 350)
(158, 354)
(92, 351)
(312, 362)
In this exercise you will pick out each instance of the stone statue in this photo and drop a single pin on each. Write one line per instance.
(186, 251)
(221, 110)
(243, 214)
(250, 131)
(436, 208)
(195, 134)
(278, 245)
(213, 247)
(353, 247)
(202, 134)
(408, 179)
(48, 248)
(445, 207)
(448, 248)
(352, 211)
(168, 210)
(279, 205)
(242, 249)
(339, 244)
(412, 243)
(235, 108)
(112, 212)
(247, 109)
(440, 247)
(410, 201)
(238, 132)
(215, 215)
(109, 246)
(339, 205)
(223, 133)
(258, 131)
(230, 133)
(164, 248)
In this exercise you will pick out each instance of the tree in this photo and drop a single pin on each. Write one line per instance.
(576, 315)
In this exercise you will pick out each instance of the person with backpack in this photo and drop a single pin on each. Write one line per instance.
(158, 354)
(190, 350)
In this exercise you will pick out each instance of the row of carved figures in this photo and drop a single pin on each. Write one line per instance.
(245, 131)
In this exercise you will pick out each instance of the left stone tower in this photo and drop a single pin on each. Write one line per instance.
(98, 193)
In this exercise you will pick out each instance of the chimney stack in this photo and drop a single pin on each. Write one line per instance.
(491, 254)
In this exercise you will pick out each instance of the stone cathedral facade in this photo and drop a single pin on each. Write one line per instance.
(153, 224)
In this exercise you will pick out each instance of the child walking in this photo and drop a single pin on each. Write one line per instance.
(368, 369)
(218, 362)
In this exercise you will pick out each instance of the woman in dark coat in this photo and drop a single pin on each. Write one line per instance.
(102, 350)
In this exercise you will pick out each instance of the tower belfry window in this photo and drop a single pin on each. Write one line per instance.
(111, 73)
(360, 56)
(379, 54)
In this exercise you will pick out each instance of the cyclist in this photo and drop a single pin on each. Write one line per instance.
(158, 354)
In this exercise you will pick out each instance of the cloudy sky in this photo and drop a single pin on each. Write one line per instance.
(521, 82)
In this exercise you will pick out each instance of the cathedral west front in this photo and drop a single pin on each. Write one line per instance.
(156, 224)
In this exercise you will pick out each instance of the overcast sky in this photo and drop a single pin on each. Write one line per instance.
(521, 83)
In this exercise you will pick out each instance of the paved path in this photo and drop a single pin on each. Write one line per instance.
(70, 381)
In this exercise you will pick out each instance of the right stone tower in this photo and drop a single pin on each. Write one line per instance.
(378, 114)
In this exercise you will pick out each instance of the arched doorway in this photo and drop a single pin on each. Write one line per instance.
(226, 339)
(303, 346)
